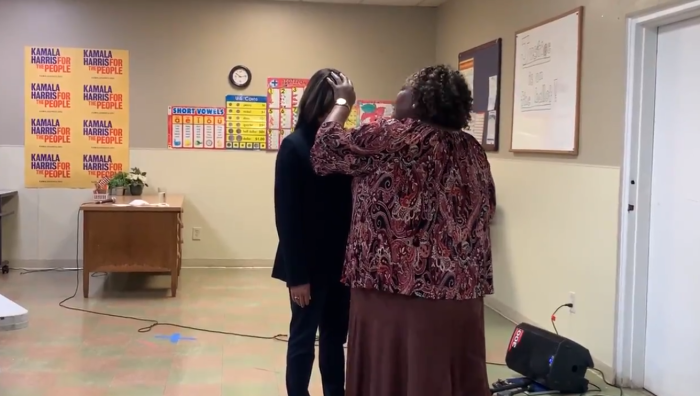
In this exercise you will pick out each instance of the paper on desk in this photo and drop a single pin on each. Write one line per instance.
(141, 202)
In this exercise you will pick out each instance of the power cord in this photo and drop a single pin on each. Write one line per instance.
(553, 318)
(279, 337)
(25, 271)
(602, 375)
(152, 322)
(595, 389)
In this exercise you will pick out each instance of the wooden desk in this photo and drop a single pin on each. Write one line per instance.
(132, 238)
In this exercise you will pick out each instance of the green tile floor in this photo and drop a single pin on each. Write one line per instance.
(71, 353)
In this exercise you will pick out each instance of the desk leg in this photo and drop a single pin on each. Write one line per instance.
(180, 226)
(173, 282)
(3, 263)
(86, 281)
(175, 273)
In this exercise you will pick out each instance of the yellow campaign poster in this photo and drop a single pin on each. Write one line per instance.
(76, 128)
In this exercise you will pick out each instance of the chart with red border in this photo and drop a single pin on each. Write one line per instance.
(283, 96)
(196, 127)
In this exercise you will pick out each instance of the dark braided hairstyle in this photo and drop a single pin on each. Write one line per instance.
(441, 97)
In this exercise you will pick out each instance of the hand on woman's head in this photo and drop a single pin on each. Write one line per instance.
(342, 87)
(440, 96)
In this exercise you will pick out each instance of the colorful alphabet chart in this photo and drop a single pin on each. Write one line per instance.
(194, 127)
(370, 111)
(245, 122)
(283, 96)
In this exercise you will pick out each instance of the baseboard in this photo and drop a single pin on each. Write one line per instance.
(45, 264)
(226, 263)
(186, 263)
(516, 317)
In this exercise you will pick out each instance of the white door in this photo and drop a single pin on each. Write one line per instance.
(673, 300)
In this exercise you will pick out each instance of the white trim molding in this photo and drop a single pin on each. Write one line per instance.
(635, 188)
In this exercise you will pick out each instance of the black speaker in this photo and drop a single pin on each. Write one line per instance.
(549, 359)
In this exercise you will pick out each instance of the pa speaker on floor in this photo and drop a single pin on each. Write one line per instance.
(549, 359)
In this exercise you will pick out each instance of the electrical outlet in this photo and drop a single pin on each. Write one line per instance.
(572, 301)
(196, 233)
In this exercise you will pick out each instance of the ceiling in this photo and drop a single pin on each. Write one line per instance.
(396, 3)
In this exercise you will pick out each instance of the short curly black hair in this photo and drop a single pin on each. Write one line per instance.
(441, 97)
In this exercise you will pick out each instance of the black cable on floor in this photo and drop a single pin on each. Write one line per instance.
(602, 375)
(152, 322)
(279, 337)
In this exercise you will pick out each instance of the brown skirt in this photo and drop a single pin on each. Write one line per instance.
(409, 346)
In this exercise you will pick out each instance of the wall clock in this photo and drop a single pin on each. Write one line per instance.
(240, 76)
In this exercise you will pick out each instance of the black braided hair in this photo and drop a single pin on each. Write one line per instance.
(441, 97)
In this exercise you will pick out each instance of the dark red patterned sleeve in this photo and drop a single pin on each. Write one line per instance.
(487, 179)
(359, 150)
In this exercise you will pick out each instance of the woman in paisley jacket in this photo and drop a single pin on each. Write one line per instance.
(418, 258)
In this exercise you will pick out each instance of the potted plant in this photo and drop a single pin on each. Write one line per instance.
(137, 180)
(118, 183)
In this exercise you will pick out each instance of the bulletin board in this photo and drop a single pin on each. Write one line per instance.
(481, 67)
(546, 86)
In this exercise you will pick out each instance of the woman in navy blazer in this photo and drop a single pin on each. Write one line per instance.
(312, 215)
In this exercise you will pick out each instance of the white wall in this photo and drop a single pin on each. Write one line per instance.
(45, 225)
(229, 194)
(556, 232)
(556, 229)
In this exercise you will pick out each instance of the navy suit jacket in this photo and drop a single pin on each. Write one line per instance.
(312, 214)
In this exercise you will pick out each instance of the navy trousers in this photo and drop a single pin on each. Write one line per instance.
(328, 313)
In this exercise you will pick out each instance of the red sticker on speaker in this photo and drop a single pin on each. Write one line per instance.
(517, 336)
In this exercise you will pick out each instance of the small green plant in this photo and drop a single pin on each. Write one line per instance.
(137, 178)
(120, 179)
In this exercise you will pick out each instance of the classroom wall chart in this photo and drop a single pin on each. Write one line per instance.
(246, 122)
(370, 111)
(283, 96)
(196, 127)
(76, 111)
(352, 121)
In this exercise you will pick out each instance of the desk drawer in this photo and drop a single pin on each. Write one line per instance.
(132, 241)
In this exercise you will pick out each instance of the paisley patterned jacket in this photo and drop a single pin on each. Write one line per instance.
(423, 200)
